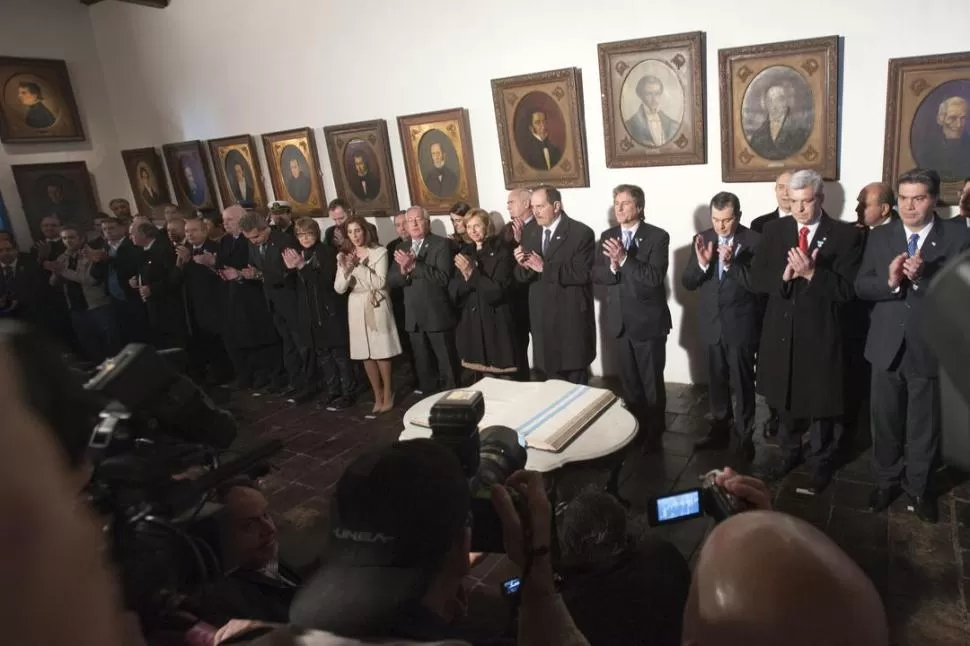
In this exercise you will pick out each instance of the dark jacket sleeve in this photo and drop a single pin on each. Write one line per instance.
(652, 271)
(575, 270)
(836, 282)
(494, 287)
(693, 276)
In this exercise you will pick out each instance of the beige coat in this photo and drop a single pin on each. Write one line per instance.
(373, 334)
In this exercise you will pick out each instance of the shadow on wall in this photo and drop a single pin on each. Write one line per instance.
(385, 229)
(688, 336)
(834, 203)
(607, 341)
(438, 227)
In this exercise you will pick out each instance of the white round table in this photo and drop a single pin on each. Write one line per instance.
(610, 432)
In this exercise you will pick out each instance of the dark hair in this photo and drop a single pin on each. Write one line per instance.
(252, 221)
(593, 528)
(928, 178)
(6, 235)
(307, 224)
(635, 192)
(339, 203)
(70, 226)
(725, 199)
(370, 234)
(212, 216)
(147, 229)
(645, 81)
(460, 208)
(551, 192)
(33, 88)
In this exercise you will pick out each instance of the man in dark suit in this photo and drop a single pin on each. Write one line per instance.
(899, 263)
(520, 224)
(633, 266)
(281, 217)
(782, 133)
(806, 265)
(402, 241)
(783, 210)
(729, 322)
(123, 260)
(159, 286)
(336, 235)
(21, 282)
(650, 126)
(423, 272)
(280, 287)
(31, 96)
(364, 183)
(440, 180)
(298, 183)
(556, 260)
(241, 185)
(535, 147)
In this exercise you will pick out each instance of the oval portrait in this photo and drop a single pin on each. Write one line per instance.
(938, 137)
(239, 177)
(540, 131)
(777, 112)
(147, 184)
(652, 103)
(440, 166)
(362, 170)
(295, 171)
(57, 195)
(32, 102)
(192, 179)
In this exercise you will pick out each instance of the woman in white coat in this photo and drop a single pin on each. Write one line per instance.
(373, 333)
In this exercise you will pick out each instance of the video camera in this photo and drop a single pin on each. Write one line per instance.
(709, 499)
(487, 458)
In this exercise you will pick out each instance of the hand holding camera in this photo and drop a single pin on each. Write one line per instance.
(526, 516)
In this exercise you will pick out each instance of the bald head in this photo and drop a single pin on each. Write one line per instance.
(518, 204)
(876, 202)
(231, 217)
(766, 578)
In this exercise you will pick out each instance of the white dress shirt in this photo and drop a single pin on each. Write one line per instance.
(922, 233)
(633, 234)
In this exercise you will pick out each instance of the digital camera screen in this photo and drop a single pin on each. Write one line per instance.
(679, 506)
(511, 586)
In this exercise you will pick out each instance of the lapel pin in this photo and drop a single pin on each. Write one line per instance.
(821, 242)
(932, 243)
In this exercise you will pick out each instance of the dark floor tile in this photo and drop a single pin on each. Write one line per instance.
(875, 563)
(295, 467)
(801, 478)
(814, 513)
(858, 529)
(653, 468)
(290, 496)
(686, 424)
(349, 439)
(678, 444)
(851, 495)
(308, 514)
(325, 476)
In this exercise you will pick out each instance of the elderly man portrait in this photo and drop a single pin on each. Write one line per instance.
(439, 178)
(555, 260)
(423, 272)
(632, 262)
(650, 126)
(729, 320)
(947, 147)
(899, 263)
(806, 265)
(783, 132)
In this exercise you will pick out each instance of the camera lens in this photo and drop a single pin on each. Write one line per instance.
(500, 456)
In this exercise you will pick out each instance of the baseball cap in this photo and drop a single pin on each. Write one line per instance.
(394, 514)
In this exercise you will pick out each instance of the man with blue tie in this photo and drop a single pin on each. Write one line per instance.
(729, 321)
(900, 260)
(633, 265)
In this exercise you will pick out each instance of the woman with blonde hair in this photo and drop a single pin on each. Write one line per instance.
(373, 333)
(481, 288)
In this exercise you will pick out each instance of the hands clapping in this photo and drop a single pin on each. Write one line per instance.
(704, 253)
(405, 260)
(800, 265)
(465, 265)
(183, 255)
(528, 259)
(293, 259)
(517, 229)
(913, 267)
(905, 266)
(614, 250)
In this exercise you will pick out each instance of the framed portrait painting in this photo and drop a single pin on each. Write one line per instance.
(926, 119)
(653, 101)
(360, 157)
(779, 109)
(238, 173)
(540, 129)
(37, 102)
(438, 159)
(294, 169)
(62, 189)
(147, 179)
(190, 175)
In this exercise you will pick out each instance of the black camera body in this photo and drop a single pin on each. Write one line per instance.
(709, 499)
(487, 457)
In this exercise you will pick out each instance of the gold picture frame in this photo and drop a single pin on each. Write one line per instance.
(37, 103)
(191, 179)
(239, 174)
(301, 186)
(147, 179)
(360, 158)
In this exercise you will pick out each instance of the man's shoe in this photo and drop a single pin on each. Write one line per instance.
(292, 391)
(925, 509)
(326, 400)
(652, 444)
(340, 403)
(790, 463)
(276, 388)
(715, 440)
(302, 396)
(880, 499)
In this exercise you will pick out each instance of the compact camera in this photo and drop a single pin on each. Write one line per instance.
(708, 499)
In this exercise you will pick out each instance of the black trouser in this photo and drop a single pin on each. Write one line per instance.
(905, 427)
(520, 328)
(572, 376)
(254, 365)
(208, 357)
(641, 366)
(283, 310)
(334, 371)
(432, 348)
(97, 332)
(731, 369)
(132, 319)
(825, 437)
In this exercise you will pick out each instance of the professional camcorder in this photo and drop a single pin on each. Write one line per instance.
(708, 499)
(487, 458)
(156, 450)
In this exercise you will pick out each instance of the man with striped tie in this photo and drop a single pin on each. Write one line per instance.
(900, 260)
(729, 322)
(632, 263)
(806, 264)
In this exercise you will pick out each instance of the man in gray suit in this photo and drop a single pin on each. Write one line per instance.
(423, 271)
(900, 260)
(650, 126)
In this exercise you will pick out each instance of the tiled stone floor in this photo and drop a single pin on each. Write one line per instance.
(922, 571)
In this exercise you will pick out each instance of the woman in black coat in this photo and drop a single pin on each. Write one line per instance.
(324, 335)
(481, 289)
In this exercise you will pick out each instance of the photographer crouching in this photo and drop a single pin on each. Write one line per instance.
(400, 538)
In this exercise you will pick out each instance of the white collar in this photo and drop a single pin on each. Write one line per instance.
(555, 225)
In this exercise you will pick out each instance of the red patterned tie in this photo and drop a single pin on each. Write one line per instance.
(803, 239)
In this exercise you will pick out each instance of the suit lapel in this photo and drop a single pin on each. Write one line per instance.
(933, 246)
(825, 226)
(897, 241)
(558, 236)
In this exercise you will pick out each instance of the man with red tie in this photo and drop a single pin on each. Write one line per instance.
(806, 265)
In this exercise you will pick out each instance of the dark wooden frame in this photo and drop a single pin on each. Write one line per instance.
(375, 133)
(150, 156)
(897, 109)
(222, 179)
(171, 153)
(58, 73)
(566, 174)
(825, 161)
(26, 174)
(309, 149)
(625, 152)
(412, 127)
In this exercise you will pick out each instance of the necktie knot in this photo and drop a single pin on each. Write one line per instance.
(803, 239)
(546, 236)
(913, 245)
(627, 239)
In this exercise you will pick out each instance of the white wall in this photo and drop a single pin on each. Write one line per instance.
(210, 68)
(62, 29)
